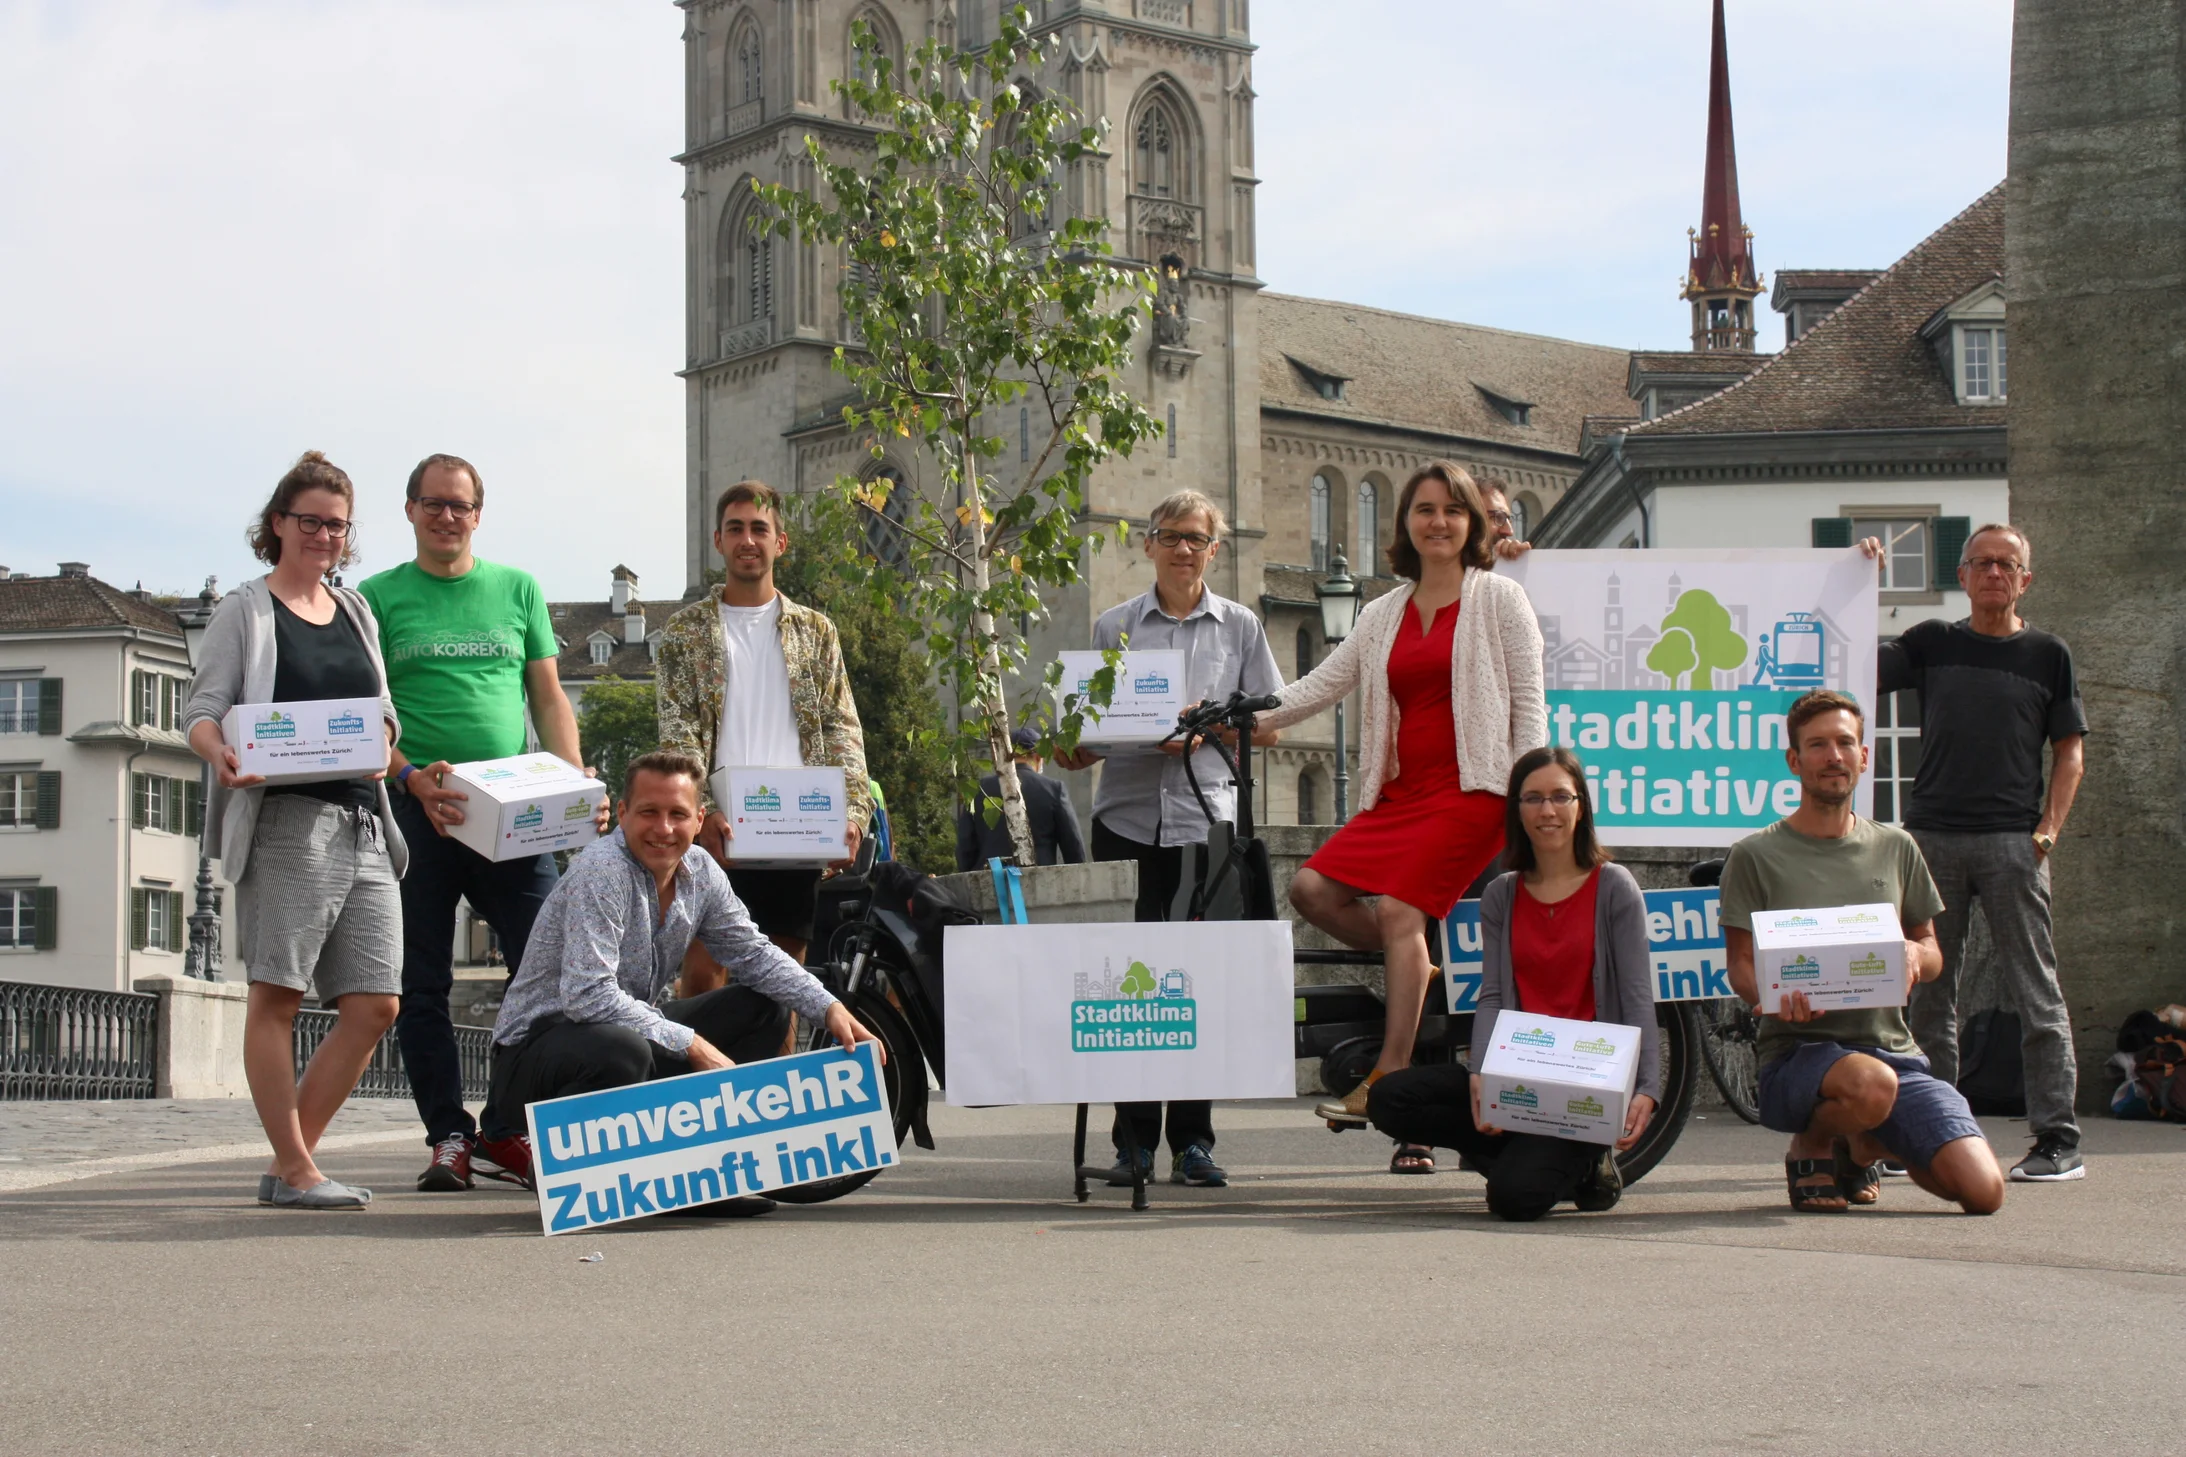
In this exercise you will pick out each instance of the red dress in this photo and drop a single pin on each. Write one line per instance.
(1427, 837)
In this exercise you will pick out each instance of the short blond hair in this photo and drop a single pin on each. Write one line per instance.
(1187, 503)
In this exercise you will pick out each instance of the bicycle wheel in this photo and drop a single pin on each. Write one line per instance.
(1680, 1071)
(1727, 1030)
(904, 1060)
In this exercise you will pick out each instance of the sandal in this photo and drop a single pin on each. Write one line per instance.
(1412, 1158)
(1859, 1183)
(1813, 1198)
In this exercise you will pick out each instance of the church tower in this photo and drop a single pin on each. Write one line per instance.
(1721, 281)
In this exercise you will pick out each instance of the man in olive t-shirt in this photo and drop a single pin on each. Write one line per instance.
(1850, 1087)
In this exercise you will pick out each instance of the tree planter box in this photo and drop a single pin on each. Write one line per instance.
(1104, 890)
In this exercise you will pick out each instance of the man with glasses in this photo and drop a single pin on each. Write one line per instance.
(469, 650)
(1495, 496)
(1993, 691)
(1144, 809)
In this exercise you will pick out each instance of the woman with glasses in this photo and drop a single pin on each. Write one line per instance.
(1563, 934)
(314, 865)
(1449, 665)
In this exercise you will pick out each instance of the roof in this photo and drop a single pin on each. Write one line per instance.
(1821, 280)
(1865, 366)
(1433, 375)
(61, 604)
(1730, 362)
(576, 622)
(1290, 585)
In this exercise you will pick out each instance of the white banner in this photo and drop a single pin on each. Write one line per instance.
(1669, 673)
(1119, 1012)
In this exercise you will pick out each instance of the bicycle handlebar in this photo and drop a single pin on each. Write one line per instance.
(1239, 707)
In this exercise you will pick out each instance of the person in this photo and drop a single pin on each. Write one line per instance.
(747, 677)
(1502, 522)
(1563, 934)
(1451, 667)
(585, 1011)
(1850, 1086)
(1993, 691)
(314, 865)
(1047, 806)
(1144, 809)
(470, 652)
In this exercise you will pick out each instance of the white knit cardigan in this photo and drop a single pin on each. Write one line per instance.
(1495, 684)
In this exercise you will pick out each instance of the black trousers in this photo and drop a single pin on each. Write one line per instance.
(1528, 1173)
(508, 895)
(1161, 867)
(560, 1057)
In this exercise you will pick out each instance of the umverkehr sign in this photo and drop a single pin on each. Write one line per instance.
(1684, 948)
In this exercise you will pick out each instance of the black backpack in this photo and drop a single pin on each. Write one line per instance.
(1990, 1071)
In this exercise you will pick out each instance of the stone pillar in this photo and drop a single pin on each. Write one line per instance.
(200, 1037)
(2095, 246)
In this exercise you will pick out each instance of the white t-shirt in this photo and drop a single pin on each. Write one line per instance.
(757, 728)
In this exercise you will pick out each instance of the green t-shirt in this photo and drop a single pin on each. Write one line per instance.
(456, 649)
(1779, 869)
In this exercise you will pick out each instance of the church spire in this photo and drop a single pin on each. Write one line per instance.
(1720, 278)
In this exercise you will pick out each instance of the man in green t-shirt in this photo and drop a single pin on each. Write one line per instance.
(1850, 1087)
(469, 649)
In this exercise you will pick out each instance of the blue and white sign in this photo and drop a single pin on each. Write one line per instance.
(1684, 940)
(624, 1153)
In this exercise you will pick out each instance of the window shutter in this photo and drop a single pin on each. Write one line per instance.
(140, 918)
(136, 697)
(49, 799)
(1832, 531)
(167, 688)
(174, 920)
(49, 705)
(1949, 537)
(173, 790)
(138, 797)
(193, 807)
(46, 902)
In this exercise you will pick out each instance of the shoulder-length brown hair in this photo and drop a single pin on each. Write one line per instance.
(1479, 545)
(1517, 844)
(312, 472)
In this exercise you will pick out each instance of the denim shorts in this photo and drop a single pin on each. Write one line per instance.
(1928, 1112)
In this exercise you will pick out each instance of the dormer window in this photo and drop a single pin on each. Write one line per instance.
(1968, 339)
(602, 648)
(1328, 386)
(1518, 412)
(1981, 365)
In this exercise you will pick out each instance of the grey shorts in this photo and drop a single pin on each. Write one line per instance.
(1928, 1113)
(318, 901)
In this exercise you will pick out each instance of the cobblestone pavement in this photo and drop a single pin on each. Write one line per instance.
(50, 1143)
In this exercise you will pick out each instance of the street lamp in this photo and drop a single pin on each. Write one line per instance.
(1339, 595)
(203, 958)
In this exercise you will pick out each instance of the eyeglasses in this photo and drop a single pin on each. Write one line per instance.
(1502, 518)
(1562, 799)
(1192, 541)
(435, 506)
(1983, 565)
(333, 526)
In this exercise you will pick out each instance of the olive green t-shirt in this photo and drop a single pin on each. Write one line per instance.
(1779, 869)
(456, 649)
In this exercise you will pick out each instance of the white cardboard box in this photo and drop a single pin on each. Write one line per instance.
(1555, 1076)
(1840, 956)
(308, 742)
(777, 816)
(527, 804)
(1149, 695)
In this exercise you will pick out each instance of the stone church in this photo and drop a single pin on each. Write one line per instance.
(1301, 416)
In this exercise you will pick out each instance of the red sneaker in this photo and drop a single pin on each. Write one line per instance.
(450, 1170)
(506, 1159)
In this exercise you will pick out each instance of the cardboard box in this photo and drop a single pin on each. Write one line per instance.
(1840, 956)
(1143, 710)
(1563, 1078)
(790, 817)
(527, 804)
(308, 742)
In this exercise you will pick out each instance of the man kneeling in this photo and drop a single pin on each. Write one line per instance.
(584, 1010)
(1851, 1087)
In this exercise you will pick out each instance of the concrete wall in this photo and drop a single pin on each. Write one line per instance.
(2095, 243)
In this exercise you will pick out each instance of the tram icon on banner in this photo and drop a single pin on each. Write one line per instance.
(1791, 656)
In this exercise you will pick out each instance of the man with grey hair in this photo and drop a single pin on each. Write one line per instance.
(1993, 691)
(1144, 809)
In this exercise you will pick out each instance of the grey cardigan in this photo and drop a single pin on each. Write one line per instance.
(236, 665)
(1624, 982)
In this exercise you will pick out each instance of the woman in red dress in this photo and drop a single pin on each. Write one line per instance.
(1449, 666)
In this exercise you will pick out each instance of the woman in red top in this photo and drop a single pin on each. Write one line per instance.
(1564, 934)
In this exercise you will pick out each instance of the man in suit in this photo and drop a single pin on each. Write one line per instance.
(1047, 806)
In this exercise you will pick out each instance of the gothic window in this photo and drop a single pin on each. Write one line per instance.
(1305, 653)
(884, 532)
(1317, 523)
(885, 42)
(1161, 150)
(1309, 809)
(1369, 538)
(758, 278)
(1172, 432)
(747, 67)
(743, 273)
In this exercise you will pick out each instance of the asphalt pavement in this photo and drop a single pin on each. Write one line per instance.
(963, 1303)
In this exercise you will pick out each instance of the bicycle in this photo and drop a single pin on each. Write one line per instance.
(1728, 1030)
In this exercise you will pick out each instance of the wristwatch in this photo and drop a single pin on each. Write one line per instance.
(2044, 843)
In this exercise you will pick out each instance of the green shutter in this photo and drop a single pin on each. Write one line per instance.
(1832, 531)
(136, 697)
(193, 807)
(140, 918)
(173, 790)
(1949, 537)
(49, 799)
(49, 705)
(45, 902)
(174, 920)
(139, 795)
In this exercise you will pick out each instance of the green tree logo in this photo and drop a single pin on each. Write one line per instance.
(1137, 982)
(1697, 639)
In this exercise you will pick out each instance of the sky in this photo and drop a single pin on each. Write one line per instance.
(233, 230)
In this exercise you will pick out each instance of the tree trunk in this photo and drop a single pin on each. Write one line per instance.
(993, 705)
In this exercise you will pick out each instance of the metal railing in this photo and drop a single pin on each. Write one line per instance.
(69, 1042)
(383, 1075)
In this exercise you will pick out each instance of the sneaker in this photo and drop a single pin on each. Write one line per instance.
(1119, 1176)
(1892, 1169)
(2050, 1161)
(1196, 1167)
(450, 1170)
(506, 1159)
(1603, 1185)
